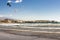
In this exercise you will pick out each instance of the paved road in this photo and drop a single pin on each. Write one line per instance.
(6, 36)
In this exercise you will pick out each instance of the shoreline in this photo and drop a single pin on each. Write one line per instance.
(31, 25)
(8, 24)
(8, 36)
(32, 33)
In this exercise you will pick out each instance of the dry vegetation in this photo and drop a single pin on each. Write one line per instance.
(21, 21)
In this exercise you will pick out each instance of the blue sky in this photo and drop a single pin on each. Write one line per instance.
(31, 10)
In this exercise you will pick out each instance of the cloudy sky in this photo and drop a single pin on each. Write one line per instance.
(31, 9)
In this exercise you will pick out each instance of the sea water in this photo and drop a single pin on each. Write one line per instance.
(33, 26)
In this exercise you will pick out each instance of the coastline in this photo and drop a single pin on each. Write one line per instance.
(11, 28)
(9, 24)
(8, 36)
(34, 25)
(33, 33)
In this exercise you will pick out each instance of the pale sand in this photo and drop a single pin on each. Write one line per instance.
(6, 36)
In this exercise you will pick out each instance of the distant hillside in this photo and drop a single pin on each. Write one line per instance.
(9, 20)
(41, 21)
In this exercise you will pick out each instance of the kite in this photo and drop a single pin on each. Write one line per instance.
(11, 1)
(8, 4)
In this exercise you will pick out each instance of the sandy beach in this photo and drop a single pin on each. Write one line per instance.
(7, 36)
(25, 32)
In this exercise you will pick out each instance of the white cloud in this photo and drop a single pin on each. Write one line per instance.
(10, 15)
(6, 15)
(20, 0)
(1, 15)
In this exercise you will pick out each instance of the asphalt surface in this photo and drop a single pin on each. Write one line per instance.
(7, 36)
